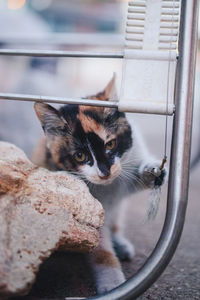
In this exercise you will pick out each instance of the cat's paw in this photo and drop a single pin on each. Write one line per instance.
(123, 248)
(152, 175)
(110, 278)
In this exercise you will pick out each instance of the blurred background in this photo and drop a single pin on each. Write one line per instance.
(58, 25)
(90, 25)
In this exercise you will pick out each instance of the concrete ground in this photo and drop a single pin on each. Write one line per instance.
(66, 274)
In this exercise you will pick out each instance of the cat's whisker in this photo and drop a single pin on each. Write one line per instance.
(126, 178)
(123, 180)
(127, 181)
(78, 174)
(133, 177)
(129, 167)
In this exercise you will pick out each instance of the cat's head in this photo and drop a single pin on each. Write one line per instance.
(89, 141)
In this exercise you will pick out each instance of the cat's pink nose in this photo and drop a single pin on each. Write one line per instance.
(104, 177)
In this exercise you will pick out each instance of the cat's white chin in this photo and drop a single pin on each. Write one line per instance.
(103, 181)
(95, 176)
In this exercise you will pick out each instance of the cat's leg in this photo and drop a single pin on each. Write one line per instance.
(123, 247)
(144, 165)
(148, 176)
(105, 264)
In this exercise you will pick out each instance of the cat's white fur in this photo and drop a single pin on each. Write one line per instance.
(137, 160)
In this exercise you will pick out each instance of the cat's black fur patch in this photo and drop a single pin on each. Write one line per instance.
(94, 116)
(69, 112)
(103, 161)
(124, 141)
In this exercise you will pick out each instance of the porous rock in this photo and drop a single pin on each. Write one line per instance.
(40, 212)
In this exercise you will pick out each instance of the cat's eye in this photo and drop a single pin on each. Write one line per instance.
(110, 145)
(80, 157)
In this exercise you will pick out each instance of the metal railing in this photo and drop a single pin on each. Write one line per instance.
(59, 53)
(139, 107)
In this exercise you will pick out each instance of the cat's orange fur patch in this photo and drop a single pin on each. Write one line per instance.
(106, 258)
(90, 125)
(87, 123)
(115, 169)
(55, 145)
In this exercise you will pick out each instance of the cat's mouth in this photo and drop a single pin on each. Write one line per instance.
(101, 181)
(99, 178)
(104, 180)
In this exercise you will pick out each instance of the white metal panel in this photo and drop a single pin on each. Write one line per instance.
(150, 55)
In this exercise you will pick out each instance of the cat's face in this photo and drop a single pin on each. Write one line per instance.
(88, 141)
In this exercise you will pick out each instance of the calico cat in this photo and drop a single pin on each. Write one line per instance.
(100, 146)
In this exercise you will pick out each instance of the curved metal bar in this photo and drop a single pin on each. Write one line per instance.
(179, 166)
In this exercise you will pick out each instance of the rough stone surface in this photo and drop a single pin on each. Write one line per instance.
(40, 212)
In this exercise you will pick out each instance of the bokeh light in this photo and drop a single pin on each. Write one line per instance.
(16, 4)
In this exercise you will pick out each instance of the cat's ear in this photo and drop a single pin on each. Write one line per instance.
(109, 93)
(49, 118)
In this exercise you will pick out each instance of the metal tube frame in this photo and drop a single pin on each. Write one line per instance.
(62, 53)
(58, 100)
(139, 107)
(179, 164)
